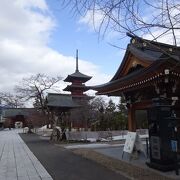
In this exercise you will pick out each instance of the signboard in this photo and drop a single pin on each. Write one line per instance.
(133, 143)
(130, 141)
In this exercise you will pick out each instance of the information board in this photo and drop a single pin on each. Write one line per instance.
(133, 144)
(130, 141)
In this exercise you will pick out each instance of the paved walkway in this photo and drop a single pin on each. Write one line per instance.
(17, 162)
(63, 164)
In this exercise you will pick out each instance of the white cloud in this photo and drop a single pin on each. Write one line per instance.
(95, 21)
(41, 4)
(164, 37)
(25, 29)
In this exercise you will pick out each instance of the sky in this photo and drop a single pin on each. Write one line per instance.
(39, 36)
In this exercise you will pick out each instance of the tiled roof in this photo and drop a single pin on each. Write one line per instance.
(11, 112)
(61, 100)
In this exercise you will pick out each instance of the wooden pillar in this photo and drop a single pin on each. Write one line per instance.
(131, 118)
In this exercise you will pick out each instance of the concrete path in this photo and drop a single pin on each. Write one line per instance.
(17, 162)
(62, 164)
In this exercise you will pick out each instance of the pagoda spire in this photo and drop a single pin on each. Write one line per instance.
(77, 69)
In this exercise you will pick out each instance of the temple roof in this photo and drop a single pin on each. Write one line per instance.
(142, 61)
(61, 101)
(146, 51)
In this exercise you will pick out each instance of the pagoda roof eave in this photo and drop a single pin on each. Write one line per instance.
(70, 87)
(77, 75)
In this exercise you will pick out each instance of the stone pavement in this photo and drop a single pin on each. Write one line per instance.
(17, 162)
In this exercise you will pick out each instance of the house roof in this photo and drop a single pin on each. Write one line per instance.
(61, 101)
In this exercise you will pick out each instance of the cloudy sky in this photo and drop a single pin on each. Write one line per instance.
(38, 36)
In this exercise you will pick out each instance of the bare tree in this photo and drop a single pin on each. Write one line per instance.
(11, 100)
(155, 18)
(97, 110)
(36, 88)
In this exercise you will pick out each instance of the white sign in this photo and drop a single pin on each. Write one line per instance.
(130, 141)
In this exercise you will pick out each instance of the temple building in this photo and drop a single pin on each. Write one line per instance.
(148, 70)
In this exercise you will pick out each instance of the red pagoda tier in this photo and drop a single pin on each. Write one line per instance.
(77, 79)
